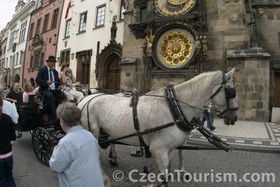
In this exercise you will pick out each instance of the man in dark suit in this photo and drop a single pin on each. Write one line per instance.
(49, 85)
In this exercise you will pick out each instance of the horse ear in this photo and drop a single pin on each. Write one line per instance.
(229, 75)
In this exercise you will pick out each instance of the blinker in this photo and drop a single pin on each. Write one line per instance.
(230, 93)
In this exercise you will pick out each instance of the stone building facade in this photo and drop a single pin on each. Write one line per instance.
(219, 34)
(42, 37)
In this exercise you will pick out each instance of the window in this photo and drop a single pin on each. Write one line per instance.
(67, 29)
(83, 22)
(64, 56)
(143, 12)
(31, 31)
(46, 21)
(37, 59)
(38, 26)
(124, 4)
(17, 62)
(31, 62)
(22, 32)
(12, 38)
(42, 59)
(54, 19)
(21, 57)
(100, 17)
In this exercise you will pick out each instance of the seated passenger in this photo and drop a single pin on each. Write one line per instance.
(67, 78)
(28, 90)
(49, 85)
(15, 95)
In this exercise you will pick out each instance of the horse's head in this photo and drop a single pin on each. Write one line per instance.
(224, 95)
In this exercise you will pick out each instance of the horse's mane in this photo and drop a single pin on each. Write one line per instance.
(204, 80)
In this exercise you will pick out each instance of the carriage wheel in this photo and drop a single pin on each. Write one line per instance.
(42, 145)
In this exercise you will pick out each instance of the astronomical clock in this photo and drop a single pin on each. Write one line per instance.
(173, 31)
(174, 48)
(174, 7)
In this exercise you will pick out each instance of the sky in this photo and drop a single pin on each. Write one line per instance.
(7, 9)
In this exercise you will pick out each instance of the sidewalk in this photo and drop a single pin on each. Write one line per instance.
(244, 135)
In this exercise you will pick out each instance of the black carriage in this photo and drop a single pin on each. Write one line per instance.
(33, 117)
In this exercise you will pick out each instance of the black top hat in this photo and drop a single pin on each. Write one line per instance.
(51, 59)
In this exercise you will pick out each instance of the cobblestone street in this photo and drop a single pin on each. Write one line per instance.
(29, 172)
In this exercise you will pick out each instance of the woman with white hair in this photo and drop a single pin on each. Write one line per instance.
(76, 156)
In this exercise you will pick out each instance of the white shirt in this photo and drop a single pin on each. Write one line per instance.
(52, 85)
(11, 110)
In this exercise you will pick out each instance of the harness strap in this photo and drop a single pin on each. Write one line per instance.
(176, 111)
(186, 126)
(135, 118)
(87, 104)
(146, 131)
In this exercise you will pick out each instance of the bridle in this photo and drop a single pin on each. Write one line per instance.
(230, 93)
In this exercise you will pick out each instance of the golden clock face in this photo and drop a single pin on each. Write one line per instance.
(175, 48)
(174, 7)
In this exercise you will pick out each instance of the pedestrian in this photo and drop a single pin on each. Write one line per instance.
(76, 156)
(49, 85)
(68, 79)
(7, 136)
(9, 108)
(15, 95)
(208, 115)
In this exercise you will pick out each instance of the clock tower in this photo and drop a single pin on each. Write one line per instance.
(173, 36)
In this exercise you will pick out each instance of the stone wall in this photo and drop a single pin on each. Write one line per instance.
(253, 87)
(132, 73)
(227, 29)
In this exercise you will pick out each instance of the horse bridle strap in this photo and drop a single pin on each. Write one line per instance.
(230, 93)
(176, 111)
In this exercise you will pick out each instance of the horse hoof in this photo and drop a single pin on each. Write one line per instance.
(113, 163)
(145, 169)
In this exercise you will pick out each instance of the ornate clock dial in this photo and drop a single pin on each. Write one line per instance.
(175, 48)
(174, 7)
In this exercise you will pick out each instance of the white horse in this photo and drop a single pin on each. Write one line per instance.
(114, 114)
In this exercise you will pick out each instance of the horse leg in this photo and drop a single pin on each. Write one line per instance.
(162, 159)
(113, 155)
(106, 179)
(148, 169)
(181, 161)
